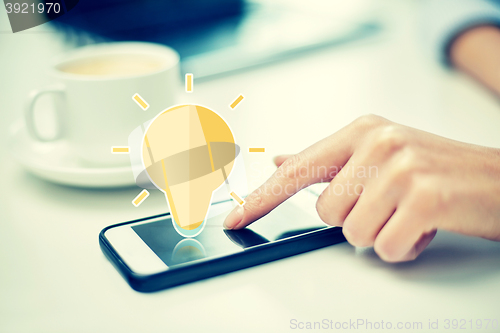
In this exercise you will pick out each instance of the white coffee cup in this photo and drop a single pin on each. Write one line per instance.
(94, 88)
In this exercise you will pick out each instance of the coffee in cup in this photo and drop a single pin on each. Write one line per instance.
(95, 86)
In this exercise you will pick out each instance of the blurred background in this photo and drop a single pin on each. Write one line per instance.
(215, 39)
(336, 59)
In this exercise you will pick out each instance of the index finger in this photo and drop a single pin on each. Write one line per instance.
(318, 163)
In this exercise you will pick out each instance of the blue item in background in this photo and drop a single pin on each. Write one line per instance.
(216, 36)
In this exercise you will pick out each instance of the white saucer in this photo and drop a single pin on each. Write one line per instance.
(56, 162)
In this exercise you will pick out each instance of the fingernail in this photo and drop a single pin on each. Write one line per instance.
(411, 255)
(234, 218)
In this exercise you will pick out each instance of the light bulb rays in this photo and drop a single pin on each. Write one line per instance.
(239, 200)
(181, 154)
(189, 83)
(140, 198)
(256, 150)
(120, 150)
(236, 102)
(140, 101)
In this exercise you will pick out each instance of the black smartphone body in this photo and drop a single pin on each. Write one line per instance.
(151, 255)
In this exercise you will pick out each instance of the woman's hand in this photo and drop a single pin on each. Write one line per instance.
(391, 187)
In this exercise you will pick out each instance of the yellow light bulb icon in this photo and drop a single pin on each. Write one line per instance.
(188, 151)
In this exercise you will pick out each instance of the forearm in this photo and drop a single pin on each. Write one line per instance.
(477, 52)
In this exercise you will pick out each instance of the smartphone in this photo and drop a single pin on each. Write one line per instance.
(151, 255)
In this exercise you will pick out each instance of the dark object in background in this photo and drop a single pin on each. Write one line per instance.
(147, 20)
(191, 27)
(215, 36)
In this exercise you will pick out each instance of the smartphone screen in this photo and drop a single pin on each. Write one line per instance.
(137, 243)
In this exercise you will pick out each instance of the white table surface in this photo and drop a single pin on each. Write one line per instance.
(54, 278)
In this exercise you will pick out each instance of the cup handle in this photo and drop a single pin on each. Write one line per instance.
(30, 107)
